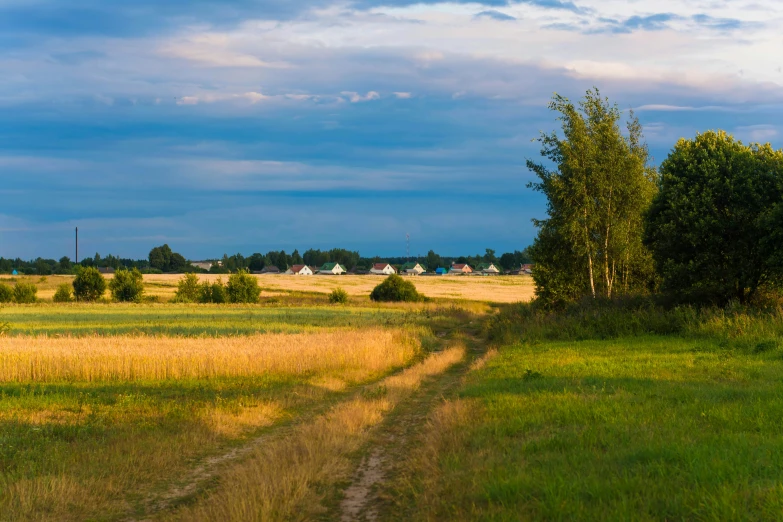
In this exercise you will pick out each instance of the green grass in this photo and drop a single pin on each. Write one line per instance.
(192, 320)
(638, 428)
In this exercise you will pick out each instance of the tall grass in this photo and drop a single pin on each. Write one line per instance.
(130, 358)
(742, 327)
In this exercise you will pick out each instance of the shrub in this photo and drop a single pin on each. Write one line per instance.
(63, 294)
(213, 293)
(6, 293)
(127, 286)
(188, 289)
(395, 288)
(89, 284)
(25, 293)
(243, 288)
(338, 296)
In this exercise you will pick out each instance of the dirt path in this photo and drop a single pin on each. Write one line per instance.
(365, 499)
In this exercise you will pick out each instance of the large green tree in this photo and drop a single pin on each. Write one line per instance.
(715, 228)
(597, 194)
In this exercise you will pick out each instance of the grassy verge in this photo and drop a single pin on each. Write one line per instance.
(571, 423)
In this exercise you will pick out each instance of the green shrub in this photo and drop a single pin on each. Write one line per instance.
(89, 284)
(243, 288)
(338, 296)
(188, 289)
(127, 286)
(395, 288)
(213, 293)
(25, 293)
(64, 294)
(6, 293)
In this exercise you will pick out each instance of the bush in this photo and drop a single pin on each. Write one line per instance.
(395, 288)
(213, 293)
(188, 289)
(63, 294)
(243, 288)
(89, 284)
(6, 293)
(338, 296)
(127, 286)
(25, 293)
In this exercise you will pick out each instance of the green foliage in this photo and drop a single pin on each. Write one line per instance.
(596, 198)
(25, 293)
(213, 292)
(188, 289)
(242, 288)
(88, 285)
(64, 294)
(395, 288)
(6, 293)
(127, 286)
(715, 228)
(4, 328)
(338, 296)
(162, 258)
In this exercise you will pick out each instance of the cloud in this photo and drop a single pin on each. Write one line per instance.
(495, 15)
(356, 97)
(758, 133)
(403, 95)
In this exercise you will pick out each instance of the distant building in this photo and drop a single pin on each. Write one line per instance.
(204, 265)
(14, 273)
(412, 269)
(488, 269)
(105, 270)
(332, 269)
(302, 270)
(382, 269)
(441, 271)
(271, 269)
(460, 268)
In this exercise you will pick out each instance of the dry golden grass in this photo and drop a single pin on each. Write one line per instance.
(281, 480)
(352, 353)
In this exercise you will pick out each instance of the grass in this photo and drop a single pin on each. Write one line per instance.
(92, 426)
(196, 320)
(627, 426)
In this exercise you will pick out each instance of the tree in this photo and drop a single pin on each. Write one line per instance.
(6, 293)
(433, 261)
(715, 226)
(188, 289)
(65, 263)
(596, 199)
(127, 286)
(25, 293)
(160, 257)
(395, 288)
(242, 288)
(89, 284)
(64, 294)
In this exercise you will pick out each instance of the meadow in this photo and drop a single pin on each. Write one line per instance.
(453, 409)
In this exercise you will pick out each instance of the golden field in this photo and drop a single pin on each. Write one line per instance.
(497, 289)
(354, 353)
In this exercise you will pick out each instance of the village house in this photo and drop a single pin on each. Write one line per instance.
(302, 270)
(382, 269)
(105, 270)
(204, 265)
(441, 271)
(271, 269)
(332, 269)
(460, 268)
(412, 269)
(488, 269)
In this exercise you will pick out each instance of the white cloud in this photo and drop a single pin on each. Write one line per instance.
(403, 95)
(355, 97)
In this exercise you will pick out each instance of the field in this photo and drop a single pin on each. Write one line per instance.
(462, 408)
(497, 289)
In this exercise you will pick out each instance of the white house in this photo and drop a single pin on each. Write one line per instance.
(332, 269)
(382, 269)
(488, 269)
(412, 269)
(204, 265)
(302, 270)
(460, 268)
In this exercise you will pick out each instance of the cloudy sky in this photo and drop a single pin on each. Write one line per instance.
(248, 125)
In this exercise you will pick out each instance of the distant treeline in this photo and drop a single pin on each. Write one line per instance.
(162, 259)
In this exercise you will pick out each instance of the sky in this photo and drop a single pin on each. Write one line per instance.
(224, 126)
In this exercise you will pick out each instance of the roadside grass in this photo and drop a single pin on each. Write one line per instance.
(100, 423)
(199, 320)
(623, 426)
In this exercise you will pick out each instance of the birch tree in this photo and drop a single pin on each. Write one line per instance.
(598, 184)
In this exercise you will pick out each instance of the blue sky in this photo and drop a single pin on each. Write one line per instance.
(250, 125)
